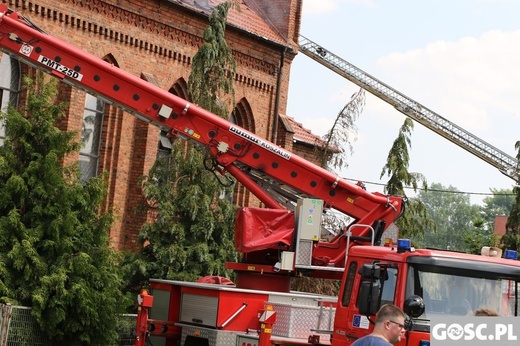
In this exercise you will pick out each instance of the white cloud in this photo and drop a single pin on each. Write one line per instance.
(469, 81)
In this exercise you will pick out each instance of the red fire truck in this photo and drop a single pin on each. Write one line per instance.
(277, 242)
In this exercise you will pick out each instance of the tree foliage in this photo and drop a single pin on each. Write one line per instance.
(414, 220)
(54, 244)
(192, 235)
(477, 237)
(193, 231)
(511, 239)
(211, 79)
(333, 152)
(456, 222)
(499, 203)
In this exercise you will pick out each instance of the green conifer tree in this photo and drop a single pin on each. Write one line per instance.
(211, 80)
(412, 223)
(54, 246)
(193, 232)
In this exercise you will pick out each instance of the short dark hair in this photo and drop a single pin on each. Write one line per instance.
(388, 312)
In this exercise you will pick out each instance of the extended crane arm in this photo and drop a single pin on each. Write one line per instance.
(413, 109)
(232, 148)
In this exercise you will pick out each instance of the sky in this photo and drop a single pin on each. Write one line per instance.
(459, 58)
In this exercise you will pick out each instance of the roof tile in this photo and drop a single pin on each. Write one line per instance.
(302, 134)
(246, 18)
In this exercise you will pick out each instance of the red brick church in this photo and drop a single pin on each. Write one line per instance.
(156, 40)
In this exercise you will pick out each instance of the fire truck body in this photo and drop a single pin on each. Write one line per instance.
(225, 314)
(450, 283)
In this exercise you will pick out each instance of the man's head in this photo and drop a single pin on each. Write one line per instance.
(390, 323)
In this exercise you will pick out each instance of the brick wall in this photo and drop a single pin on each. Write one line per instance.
(160, 39)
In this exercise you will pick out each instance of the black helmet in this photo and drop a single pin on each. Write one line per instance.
(414, 306)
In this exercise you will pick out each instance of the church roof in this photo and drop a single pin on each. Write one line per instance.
(249, 18)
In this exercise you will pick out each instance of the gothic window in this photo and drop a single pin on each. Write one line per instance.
(179, 88)
(9, 86)
(242, 116)
(91, 137)
(165, 147)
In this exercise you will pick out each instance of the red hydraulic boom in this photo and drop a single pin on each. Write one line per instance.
(244, 155)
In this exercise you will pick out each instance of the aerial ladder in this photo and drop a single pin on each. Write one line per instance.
(411, 108)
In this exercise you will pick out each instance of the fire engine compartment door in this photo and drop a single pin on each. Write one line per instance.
(199, 310)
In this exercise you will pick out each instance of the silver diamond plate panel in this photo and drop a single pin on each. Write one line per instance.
(304, 256)
(300, 321)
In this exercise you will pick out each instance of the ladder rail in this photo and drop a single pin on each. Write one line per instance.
(505, 163)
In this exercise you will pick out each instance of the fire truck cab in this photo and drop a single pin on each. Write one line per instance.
(425, 283)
